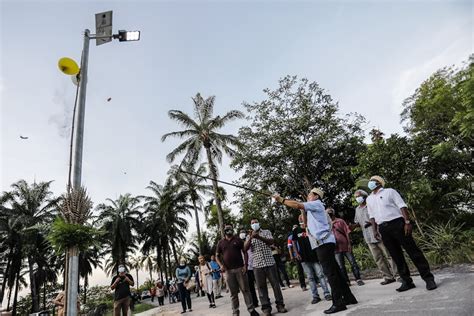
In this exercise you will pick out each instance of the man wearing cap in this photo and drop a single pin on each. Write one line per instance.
(391, 222)
(121, 284)
(321, 236)
(377, 248)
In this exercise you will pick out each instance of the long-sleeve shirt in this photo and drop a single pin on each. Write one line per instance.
(341, 231)
(183, 274)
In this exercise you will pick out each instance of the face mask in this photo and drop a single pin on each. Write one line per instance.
(372, 185)
(121, 269)
(229, 232)
(182, 263)
(255, 226)
(242, 235)
(360, 199)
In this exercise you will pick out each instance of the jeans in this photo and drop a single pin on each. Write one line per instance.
(314, 271)
(393, 237)
(236, 280)
(185, 296)
(251, 278)
(161, 300)
(261, 277)
(282, 271)
(339, 287)
(301, 279)
(354, 267)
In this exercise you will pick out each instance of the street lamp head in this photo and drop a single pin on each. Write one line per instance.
(126, 36)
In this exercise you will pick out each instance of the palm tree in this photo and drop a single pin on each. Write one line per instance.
(201, 133)
(120, 222)
(136, 263)
(149, 263)
(192, 185)
(88, 261)
(164, 225)
(34, 206)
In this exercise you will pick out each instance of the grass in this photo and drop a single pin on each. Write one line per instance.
(141, 307)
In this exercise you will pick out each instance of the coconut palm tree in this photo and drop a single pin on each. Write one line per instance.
(34, 206)
(119, 221)
(201, 133)
(164, 225)
(88, 261)
(192, 184)
(136, 263)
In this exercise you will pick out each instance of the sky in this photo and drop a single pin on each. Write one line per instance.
(369, 55)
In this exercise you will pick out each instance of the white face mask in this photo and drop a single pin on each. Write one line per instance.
(255, 226)
(360, 199)
(182, 263)
(121, 269)
(242, 235)
(372, 185)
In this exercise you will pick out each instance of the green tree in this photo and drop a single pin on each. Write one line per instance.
(33, 206)
(119, 221)
(193, 185)
(439, 118)
(202, 133)
(297, 139)
(136, 263)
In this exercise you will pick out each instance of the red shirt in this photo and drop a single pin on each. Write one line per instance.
(341, 232)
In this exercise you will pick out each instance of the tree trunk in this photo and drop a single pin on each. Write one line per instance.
(213, 170)
(86, 284)
(175, 254)
(170, 270)
(198, 228)
(15, 297)
(5, 274)
(137, 278)
(10, 290)
(44, 296)
(34, 289)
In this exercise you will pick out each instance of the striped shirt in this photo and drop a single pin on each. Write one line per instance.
(362, 216)
(262, 253)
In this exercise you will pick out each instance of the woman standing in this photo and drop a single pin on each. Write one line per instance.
(205, 277)
(183, 275)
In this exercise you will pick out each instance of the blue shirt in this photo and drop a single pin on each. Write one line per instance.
(215, 266)
(182, 274)
(318, 222)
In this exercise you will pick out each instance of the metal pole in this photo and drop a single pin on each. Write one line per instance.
(73, 273)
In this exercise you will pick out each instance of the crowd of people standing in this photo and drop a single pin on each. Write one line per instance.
(318, 244)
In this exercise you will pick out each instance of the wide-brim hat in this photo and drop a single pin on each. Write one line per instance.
(318, 192)
(379, 179)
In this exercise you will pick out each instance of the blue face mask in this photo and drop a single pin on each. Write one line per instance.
(372, 185)
(360, 199)
(255, 226)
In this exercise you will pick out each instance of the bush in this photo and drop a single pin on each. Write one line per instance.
(447, 243)
(363, 257)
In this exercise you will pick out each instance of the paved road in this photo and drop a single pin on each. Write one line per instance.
(454, 296)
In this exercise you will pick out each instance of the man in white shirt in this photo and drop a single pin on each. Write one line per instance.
(391, 222)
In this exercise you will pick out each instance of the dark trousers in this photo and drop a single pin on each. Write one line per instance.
(352, 261)
(210, 297)
(299, 267)
(261, 276)
(161, 300)
(339, 287)
(185, 296)
(251, 277)
(393, 237)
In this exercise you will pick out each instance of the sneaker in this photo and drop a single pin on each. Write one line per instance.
(282, 309)
(328, 297)
(291, 286)
(315, 300)
(210, 305)
(183, 312)
(360, 282)
(267, 313)
(385, 282)
(254, 313)
(431, 285)
(283, 288)
(304, 289)
(190, 310)
(406, 287)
